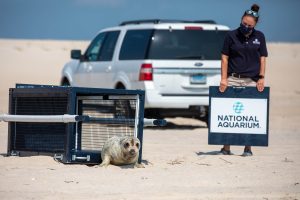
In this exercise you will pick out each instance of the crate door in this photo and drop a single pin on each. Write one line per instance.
(114, 115)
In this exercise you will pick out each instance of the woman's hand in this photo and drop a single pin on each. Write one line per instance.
(260, 85)
(223, 85)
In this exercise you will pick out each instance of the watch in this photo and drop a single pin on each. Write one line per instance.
(261, 76)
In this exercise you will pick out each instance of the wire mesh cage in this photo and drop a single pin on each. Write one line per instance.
(113, 110)
(110, 113)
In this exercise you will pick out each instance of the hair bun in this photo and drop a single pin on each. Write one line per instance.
(255, 7)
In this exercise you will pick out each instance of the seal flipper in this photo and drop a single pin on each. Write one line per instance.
(139, 165)
(105, 161)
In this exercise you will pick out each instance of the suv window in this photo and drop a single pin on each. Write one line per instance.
(135, 44)
(108, 48)
(93, 50)
(102, 47)
(187, 44)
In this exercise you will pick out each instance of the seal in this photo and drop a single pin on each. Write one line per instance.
(121, 151)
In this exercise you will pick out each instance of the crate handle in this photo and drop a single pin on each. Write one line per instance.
(87, 158)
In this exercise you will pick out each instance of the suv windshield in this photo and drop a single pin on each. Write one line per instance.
(186, 44)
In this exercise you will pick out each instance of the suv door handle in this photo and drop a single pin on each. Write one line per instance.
(108, 69)
(89, 68)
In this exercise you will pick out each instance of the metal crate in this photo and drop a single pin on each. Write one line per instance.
(115, 113)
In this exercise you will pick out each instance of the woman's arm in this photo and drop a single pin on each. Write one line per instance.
(261, 82)
(224, 70)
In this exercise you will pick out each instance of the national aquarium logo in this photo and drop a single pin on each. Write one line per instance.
(238, 107)
(237, 119)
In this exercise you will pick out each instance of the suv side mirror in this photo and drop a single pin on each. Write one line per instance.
(76, 54)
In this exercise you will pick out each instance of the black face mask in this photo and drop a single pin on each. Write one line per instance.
(246, 30)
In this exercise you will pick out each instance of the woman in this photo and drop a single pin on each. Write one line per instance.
(244, 59)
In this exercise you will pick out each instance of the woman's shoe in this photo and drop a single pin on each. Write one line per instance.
(225, 152)
(247, 153)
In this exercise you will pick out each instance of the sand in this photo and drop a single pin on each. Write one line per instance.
(179, 162)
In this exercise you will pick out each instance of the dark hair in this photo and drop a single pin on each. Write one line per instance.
(254, 8)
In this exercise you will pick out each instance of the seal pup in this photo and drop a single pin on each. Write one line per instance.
(121, 151)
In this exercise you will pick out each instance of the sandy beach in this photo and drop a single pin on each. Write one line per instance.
(179, 163)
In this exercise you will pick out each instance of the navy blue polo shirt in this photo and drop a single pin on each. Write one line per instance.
(244, 52)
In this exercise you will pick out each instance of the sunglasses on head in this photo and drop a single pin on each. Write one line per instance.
(253, 13)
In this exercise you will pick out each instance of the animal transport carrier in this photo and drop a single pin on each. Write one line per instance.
(91, 116)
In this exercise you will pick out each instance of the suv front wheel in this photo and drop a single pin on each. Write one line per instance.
(65, 82)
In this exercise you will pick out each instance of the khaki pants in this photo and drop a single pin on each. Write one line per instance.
(242, 82)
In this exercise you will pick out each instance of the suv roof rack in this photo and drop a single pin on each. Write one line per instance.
(160, 21)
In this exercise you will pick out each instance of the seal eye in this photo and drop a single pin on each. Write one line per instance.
(137, 145)
(126, 145)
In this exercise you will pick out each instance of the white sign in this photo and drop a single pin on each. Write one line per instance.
(238, 115)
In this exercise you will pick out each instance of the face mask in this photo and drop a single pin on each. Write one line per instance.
(245, 29)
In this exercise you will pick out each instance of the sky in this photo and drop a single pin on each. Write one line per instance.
(82, 19)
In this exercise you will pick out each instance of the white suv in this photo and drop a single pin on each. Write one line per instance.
(173, 61)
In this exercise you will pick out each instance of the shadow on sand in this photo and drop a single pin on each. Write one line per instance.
(171, 125)
(210, 153)
(144, 162)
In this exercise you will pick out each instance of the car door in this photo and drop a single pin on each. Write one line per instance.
(102, 71)
(84, 71)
